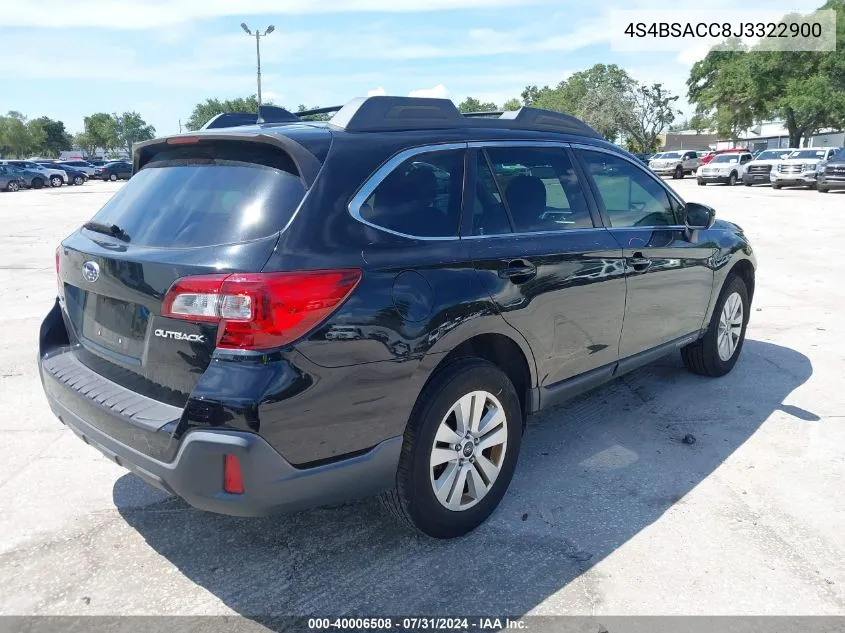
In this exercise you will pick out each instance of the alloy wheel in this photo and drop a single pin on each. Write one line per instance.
(468, 450)
(730, 327)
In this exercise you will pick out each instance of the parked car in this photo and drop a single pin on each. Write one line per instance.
(677, 163)
(644, 157)
(758, 170)
(48, 175)
(195, 341)
(831, 173)
(115, 170)
(97, 162)
(10, 180)
(800, 167)
(80, 165)
(725, 168)
(75, 176)
(30, 178)
(708, 157)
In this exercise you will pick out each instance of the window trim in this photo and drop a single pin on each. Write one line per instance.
(384, 170)
(603, 211)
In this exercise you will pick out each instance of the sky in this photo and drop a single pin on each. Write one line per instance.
(69, 59)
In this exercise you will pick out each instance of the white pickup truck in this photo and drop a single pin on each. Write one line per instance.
(800, 168)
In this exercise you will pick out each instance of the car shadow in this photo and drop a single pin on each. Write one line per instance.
(592, 474)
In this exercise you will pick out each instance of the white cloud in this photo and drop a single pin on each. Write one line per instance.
(692, 54)
(152, 14)
(439, 91)
(270, 95)
(376, 92)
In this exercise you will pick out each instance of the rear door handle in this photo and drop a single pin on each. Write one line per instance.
(518, 270)
(638, 262)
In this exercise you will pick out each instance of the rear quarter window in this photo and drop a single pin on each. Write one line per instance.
(207, 194)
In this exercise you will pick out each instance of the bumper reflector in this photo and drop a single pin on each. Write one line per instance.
(233, 481)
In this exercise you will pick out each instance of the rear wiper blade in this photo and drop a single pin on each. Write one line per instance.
(108, 229)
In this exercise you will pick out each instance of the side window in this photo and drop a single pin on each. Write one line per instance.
(540, 188)
(630, 196)
(745, 159)
(488, 212)
(421, 197)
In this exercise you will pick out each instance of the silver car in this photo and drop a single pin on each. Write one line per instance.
(676, 163)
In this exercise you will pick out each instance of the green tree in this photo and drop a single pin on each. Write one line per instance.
(131, 128)
(15, 135)
(512, 104)
(471, 104)
(700, 122)
(84, 142)
(56, 138)
(805, 88)
(652, 110)
(601, 96)
(100, 131)
(210, 108)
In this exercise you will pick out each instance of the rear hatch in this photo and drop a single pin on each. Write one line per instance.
(210, 207)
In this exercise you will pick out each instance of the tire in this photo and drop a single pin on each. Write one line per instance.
(12, 186)
(701, 183)
(774, 186)
(78, 180)
(812, 186)
(732, 179)
(747, 184)
(679, 173)
(113, 177)
(822, 189)
(703, 357)
(431, 428)
(56, 181)
(37, 183)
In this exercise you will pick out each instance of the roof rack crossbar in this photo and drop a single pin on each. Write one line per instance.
(326, 110)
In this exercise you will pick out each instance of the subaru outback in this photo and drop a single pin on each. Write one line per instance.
(285, 314)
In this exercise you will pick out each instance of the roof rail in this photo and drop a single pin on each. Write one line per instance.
(491, 113)
(384, 114)
(528, 118)
(381, 114)
(313, 111)
(266, 114)
(377, 114)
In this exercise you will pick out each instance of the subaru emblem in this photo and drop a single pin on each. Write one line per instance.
(90, 271)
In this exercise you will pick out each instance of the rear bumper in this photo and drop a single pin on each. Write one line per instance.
(271, 484)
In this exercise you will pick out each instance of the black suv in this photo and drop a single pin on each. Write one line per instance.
(832, 173)
(286, 314)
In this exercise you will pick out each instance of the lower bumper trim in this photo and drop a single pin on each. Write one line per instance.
(271, 484)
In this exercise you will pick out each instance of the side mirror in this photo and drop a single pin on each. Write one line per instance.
(699, 216)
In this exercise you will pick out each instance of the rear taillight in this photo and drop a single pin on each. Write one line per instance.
(258, 311)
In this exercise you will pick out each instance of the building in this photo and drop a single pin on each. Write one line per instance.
(773, 135)
(766, 135)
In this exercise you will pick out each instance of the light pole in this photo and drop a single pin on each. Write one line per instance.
(258, 35)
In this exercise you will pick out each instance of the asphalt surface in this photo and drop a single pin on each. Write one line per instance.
(610, 512)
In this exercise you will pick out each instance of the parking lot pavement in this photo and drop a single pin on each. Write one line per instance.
(610, 512)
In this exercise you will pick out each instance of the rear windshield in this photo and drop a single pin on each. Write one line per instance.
(207, 194)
